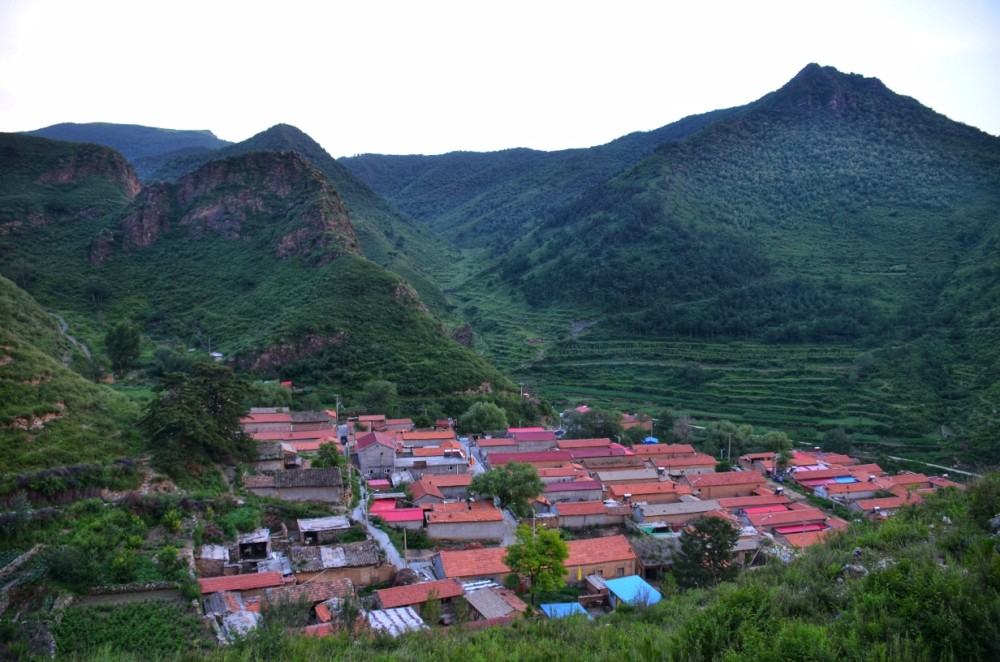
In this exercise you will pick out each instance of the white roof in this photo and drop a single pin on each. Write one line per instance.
(395, 621)
(324, 523)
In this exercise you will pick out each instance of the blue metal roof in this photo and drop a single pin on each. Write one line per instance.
(562, 609)
(633, 590)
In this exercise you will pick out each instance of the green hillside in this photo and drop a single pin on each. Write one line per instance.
(254, 256)
(486, 199)
(49, 414)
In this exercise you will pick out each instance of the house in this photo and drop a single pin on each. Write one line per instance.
(479, 520)
(399, 425)
(675, 515)
(361, 562)
(664, 450)
(398, 518)
(800, 520)
(847, 491)
(452, 486)
(493, 602)
(322, 530)
(513, 432)
(498, 445)
(604, 452)
(538, 459)
(737, 504)
(662, 492)
(699, 463)
(578, 490)
(645, 475)
(728, 484)
(299, 485)
(752, 461)
(312, 592)
(313, 420)
(211, 560)
(376, 454)
(266, 420)
(535, 441)
(424, 493)
(372, 423)
(611, 556)
(613, 463)
(472, 564)
(583, 514)
(417, 594)
(576, 444)
(878, 508)
(418, 467)
(426, 438)
(562, 474)
(249, 584)
(632, 590)
(275, 456)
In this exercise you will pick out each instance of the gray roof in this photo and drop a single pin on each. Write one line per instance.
(679, 508)
(311, 417)
(268, 450)
(277, 562)
(332, 523)
(629, 475)
(260, 535)
(308, 478)
(488, 603)
(214, 552)
(325, 557)
(434, 460)
(395, 621)
(240, 623)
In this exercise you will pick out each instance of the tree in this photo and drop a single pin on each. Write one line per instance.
(683, 430)
(705, 555)
(514, 484)
(327, 456)
(593, 424)
(195, 418)
(123, 345)
(379, 397)
(540, 555)
(777, 442)
(482, 417)
(731, 438)
(838, 441)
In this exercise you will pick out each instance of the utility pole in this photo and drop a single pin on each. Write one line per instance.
(729, 453)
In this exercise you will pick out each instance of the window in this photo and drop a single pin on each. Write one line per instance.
(600, 572)
(620, 571)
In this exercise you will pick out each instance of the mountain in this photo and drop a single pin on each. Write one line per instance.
(49, 414)
(483, 199)
(387, 237)
(254, 255)
(147, 148)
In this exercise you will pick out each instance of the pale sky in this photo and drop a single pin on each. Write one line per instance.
(428, 76)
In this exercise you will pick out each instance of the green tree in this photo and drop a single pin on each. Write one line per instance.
(196, 418)
(123, 345)
(514, 484)
(705, 555)
(593, 424)
(732, 439)
(838, 441)
(540, 555)
(482, 417)
(327, 456)
(379, 397)
(431, 611)
(777, 442)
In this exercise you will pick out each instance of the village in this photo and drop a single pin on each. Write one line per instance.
(622, 511)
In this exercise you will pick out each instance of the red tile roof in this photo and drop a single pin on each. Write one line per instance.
(569, 444)
(599, 550)
(664, 449)
(423, 488)
(788, 517)
(637, 490)
(499, 459)
(372, 438)
(474, 562)
(401, 515)
(581, 508)
(850, 488)
(514, 431)
(727, 478)
(743, 502)
(245, 582)
(696, 460)
(541, 435)
(573, 486)
(449, 480)
(418, 594)
(882, 504)
(802, 540)
(423, 435)
(614, 450)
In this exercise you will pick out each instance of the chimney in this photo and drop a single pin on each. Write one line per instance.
(871, 478)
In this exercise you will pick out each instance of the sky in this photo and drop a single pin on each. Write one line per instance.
(430, 76)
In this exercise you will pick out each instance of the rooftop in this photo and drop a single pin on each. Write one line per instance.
(474, 562)
(599, 550)
(727, 478)
(417, 594)
(247, 582)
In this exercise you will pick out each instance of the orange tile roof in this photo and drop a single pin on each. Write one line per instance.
(663, 449)
(599, 550)
(850, 488)
(727, 478)
(909, 479)
(423, 488)
(696, 460)
(449, 480)
(751, 501)
(566, 444)
(418, 594)
(460, 516)
(482, 504)
(266, 418)
(883, 503)
(808, 539)
(788, 517)
(245, 582)
(581, 508)
(639, 489)
(426, 436)
(474, 562)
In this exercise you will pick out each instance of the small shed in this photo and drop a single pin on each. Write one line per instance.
(395, 622)
(255, 545)
(321, 530)
(633, 590)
